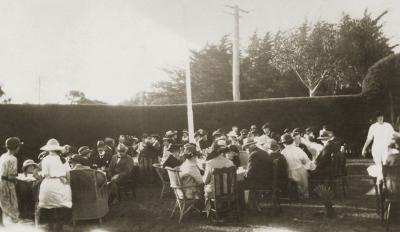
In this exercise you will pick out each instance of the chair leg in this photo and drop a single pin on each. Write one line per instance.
(162, 191)
(182, 212)
(173, 211)
(388, 216)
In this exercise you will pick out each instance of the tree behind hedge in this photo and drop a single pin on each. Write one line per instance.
(338, 54)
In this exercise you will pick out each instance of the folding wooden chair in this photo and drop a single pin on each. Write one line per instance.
(163, 174)
(182, 203)
(391, 190)
(224, 199)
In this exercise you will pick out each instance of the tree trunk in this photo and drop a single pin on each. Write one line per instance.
(311, 92)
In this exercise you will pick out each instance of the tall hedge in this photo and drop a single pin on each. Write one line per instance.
(84, 124)
(382, 77)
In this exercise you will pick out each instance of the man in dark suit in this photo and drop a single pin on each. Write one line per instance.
(259, 173)
(102, 158)
(121, 169)
(324, 160)
(282, 178)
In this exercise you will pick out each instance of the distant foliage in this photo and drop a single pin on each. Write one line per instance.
(76, 97)
(312, 59)
(3, 96)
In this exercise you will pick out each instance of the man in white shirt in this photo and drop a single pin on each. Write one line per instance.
(298, 164)
(381, 134)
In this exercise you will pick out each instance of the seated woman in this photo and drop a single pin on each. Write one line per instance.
(215, 159)
(190, 173)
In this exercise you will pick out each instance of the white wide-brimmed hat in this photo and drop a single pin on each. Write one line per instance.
(52, 145)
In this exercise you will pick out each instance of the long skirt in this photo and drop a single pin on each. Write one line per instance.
(8, 200)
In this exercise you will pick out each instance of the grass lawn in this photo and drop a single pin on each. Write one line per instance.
(148, 213)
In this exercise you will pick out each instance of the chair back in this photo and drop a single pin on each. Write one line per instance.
(89, 198)
(146, 163)
(146, 171)
(175, 182)
(338, 165)
(391, 181)
(244, 158)
(224, 180)
(162, 173)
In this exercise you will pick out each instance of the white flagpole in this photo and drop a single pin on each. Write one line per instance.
(189, 104)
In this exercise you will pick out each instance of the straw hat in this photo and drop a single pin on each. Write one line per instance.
(325, 135)
(84, 150)
(52, 145)
(28, 163)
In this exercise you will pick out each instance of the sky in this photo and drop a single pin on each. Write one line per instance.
(113, 49)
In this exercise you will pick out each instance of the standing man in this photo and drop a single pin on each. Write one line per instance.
(9, 173)
(381, 134)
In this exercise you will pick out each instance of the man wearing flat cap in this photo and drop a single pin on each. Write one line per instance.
(9, 173)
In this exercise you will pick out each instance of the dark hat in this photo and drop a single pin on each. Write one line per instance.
(234, 148)
(84, 150)
(101, 143)
(13, 143)
(216, 133)
(266, 125)
(79, 160)
(286, 138)
(249, 141)
(325, 135)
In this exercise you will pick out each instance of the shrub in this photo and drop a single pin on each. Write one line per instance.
(382, 77)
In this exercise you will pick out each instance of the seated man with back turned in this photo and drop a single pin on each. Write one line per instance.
(259, 175)
(120, 171)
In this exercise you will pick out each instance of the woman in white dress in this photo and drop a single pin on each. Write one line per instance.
(55, 199)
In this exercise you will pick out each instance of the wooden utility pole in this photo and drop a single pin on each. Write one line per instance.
(188, 80)
(236, 52)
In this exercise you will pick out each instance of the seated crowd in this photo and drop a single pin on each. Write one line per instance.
(301, 155)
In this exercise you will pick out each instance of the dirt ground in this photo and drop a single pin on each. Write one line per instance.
(355, 213)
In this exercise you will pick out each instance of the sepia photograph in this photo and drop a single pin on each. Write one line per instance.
(199, 115)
